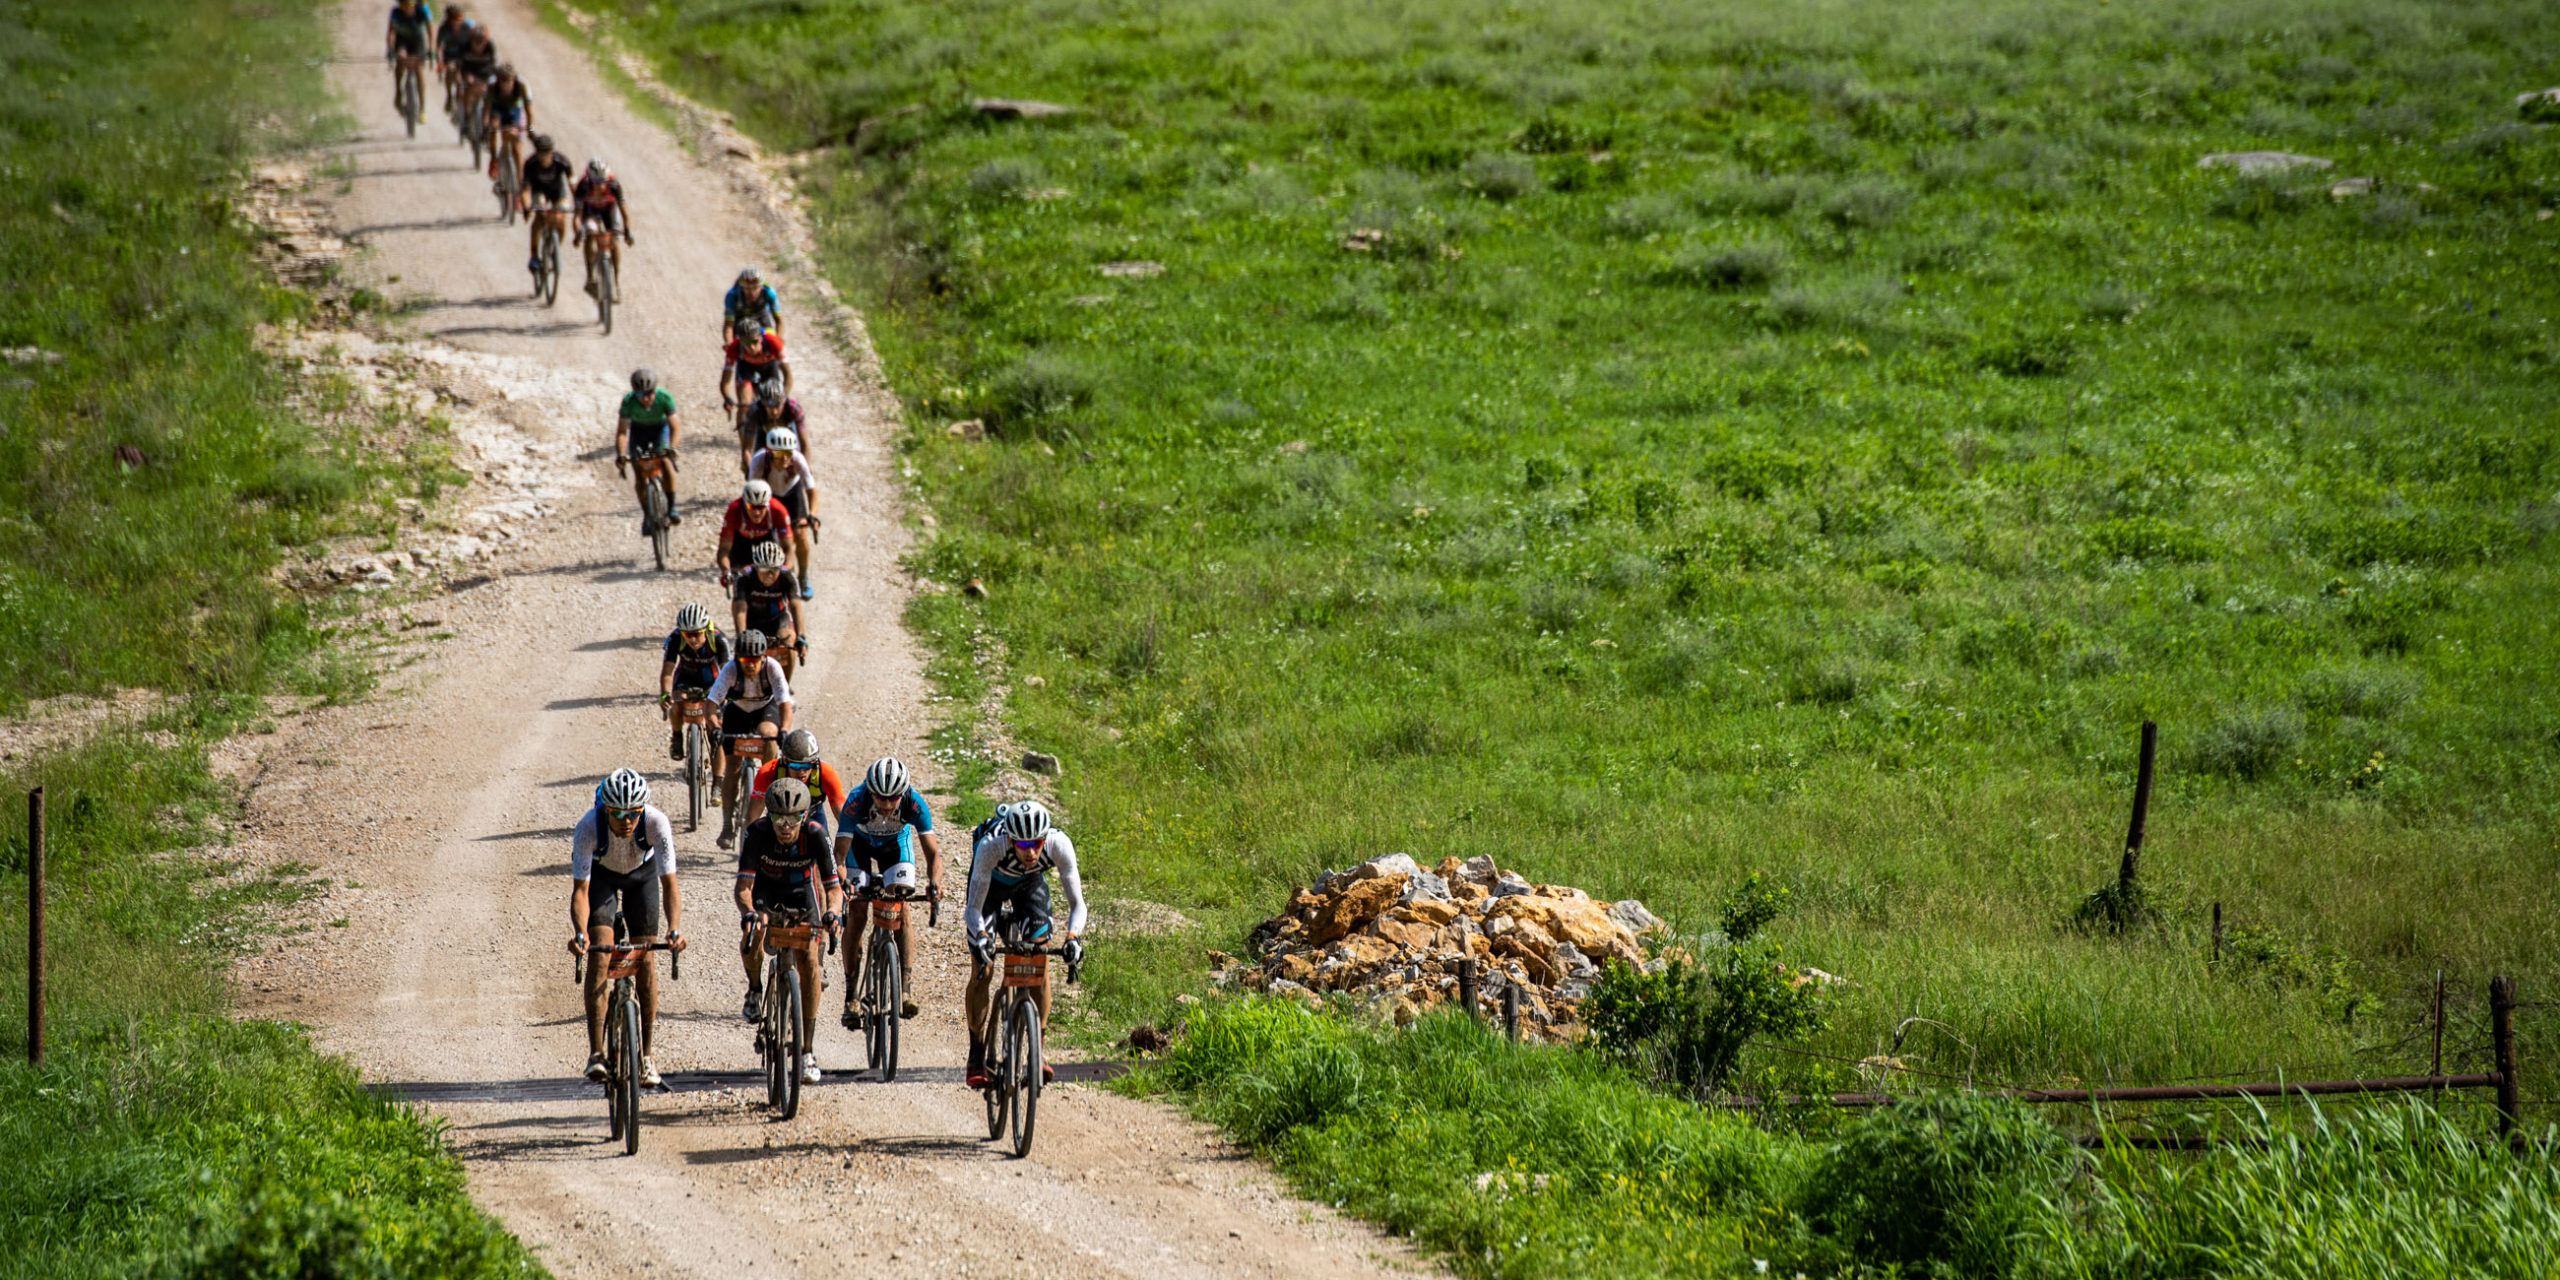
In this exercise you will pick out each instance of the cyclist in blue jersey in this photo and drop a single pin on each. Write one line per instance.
(750, 299)
(690, 664)
(879, 829)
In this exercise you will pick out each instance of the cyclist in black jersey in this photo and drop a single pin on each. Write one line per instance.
(691, 664)
(408, 36)
(545, 197)
(448, 39)
(785, 860)
(767, 599)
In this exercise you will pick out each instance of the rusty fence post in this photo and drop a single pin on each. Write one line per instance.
(1467, 985)
(2502, 1040)
(35, 927)
(1511, 1011)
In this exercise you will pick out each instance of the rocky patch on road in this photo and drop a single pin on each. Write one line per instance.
(1390, 934)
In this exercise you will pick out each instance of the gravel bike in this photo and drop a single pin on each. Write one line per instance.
(700, 769)
(1015, 1076)
(880, 989)
(510, 182)
(598, 240)
(622, 1056)
(546, 271)
(747, 752)
(409, 90)
(782, 1035)
(657, 498)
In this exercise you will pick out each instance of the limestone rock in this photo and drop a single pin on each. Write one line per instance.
(2255, 162)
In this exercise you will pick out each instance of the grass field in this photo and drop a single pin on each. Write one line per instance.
(159, 1138)
(1649, 445)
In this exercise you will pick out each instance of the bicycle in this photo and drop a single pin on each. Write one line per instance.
(409, 91)
(622, 1032)
(510, 182)
(1014, 1078)
(882, 987)
(468, 118)
(695, 711)
(746, 751)
(546, 276)
(782, 1035)
(657, 500)
(600, 269)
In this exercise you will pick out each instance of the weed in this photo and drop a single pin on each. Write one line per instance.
(2248, 745)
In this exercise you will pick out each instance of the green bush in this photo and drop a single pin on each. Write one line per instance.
(2372, 693)
(2248, 745)
(1943, 1184)
(1685, 1021)
(1496, 176)
(1731, 266)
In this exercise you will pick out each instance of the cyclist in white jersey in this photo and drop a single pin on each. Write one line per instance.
(622, 865)
(754, 698)
(1009, 891)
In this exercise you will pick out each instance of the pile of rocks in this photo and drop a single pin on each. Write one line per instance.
(1390, 934)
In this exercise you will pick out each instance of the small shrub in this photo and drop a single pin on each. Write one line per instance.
(1684, 1024)
(1001, 180)
(1726, 266)
(2258, 197)
(2148, 538)
(2248, 745)
(1753, 472)
(1500, 177)
(1943, 1184)
(1039, 385)
(1646, 215)
(2373, 693)
(2114, 304)
(2018, 354)
(1864, 205)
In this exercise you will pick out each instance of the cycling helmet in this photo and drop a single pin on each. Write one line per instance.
(625, 789)
(750, 646)
(470, 24)
(1028, 821)
(506, 71)
(644, 381)
(542, 143)
(800, 747)
(693, 617)
(597, 171)
(782, 440)
(749, 331)
(769, 393)
(767, 555)
(757, 493)
(887, 777)
(749, 276)
(787, 800)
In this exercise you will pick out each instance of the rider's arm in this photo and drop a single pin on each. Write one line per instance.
(660, 836)
(721, 683)
(621, 442)
(785, 366)
(799, 625)
(982, 868)
(1062, 851)
(932, 847)
(667, 678)
(674, 434)
(582, 854)
(738, 607)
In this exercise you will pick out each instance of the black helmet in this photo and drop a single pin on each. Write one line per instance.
(644, 381)
(541, 143)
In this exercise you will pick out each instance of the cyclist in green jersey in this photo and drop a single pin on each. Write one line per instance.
(645, 424)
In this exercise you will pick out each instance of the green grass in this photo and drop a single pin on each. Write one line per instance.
(1807, 438)
(1529, 1161)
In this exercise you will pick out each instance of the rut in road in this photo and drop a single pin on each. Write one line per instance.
(449, 799)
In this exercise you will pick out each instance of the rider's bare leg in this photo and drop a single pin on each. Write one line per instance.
(811, 985)
(648, 997)
(751, 954)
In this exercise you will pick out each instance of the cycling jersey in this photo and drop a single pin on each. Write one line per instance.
(763, 687)
(475, 56)
(767, 356)
(596, 195)
(994, 875)
(882, 834)
(744, 536)
(763, 302)
(768, 603)
(761, 420)
(410, 30)
(651, 845)
(830, 784)
(760, 467)
(647, 411)
(508, 105)
(449, 36)
(697, 668)
(786, 869)
(548, 179)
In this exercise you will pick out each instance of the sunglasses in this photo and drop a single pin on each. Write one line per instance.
(1028, 845)
(622, 815)
(799, 766)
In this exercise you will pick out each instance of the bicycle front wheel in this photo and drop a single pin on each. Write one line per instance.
(659, 534)
(614, 1067)
(604, 290)
(1022, 1065)
(769, 1036)
(997, 1088)
(626, 1076)
(795, 1036)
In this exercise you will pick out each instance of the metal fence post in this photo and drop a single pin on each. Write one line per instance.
(2502, 1040)
(35, 927)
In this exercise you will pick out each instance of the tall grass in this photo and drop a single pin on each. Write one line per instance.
(1870, 414)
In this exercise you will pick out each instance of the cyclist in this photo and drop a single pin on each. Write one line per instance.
(751, 299)
(766, 598)
(600, 201)
(874, 840)
(622, 865)
(800, 760)
(774, 409)
(408, 44)
(690, 665)
(753, 517)
(752, 360)
(508, 107)
(474, 59)
(755, 700)
(448, 39)
(646, 423)
(784, 862)
(1009, 890)
(544, 198)
(785, 469)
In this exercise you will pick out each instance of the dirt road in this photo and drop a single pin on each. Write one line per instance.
(440, 811)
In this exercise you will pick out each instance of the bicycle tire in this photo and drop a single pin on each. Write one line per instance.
(546, 280)
(893, 998)
(604, 290)
(875, 979)
(658, 527)
(1022, 1062)
(996, 1092)
(696, 768)
(769, 1036)
(627, 1080)
(615, 1120)
(794, 1036)
(506, 190)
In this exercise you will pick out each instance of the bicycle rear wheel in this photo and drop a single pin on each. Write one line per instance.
(615, 1118)
(506, 184)
(697, 775)
(626, 1076)
(795, 1036)
(1022, 1064)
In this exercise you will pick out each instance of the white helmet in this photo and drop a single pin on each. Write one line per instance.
(625, 789)
(787, 800)
(1028, 821)
(768, 555)
(782, 440)
(693, 617)
(758, 493)
(886, 777)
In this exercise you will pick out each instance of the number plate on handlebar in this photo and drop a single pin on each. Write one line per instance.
(786, 937)
(1026, 971)
(889, 915)
(620, 967)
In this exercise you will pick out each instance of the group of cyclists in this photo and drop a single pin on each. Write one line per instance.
(493, 109)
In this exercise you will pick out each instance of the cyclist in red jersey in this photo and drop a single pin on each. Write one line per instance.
(600, 201)
(752, 361)
(753, 517)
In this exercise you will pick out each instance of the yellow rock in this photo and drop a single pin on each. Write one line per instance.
(1356, 905)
